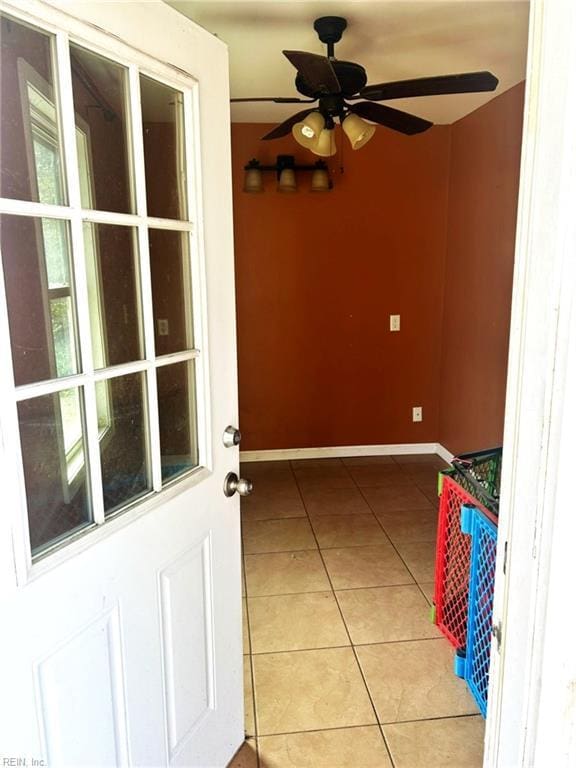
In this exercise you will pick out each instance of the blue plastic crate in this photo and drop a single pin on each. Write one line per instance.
(481, 599)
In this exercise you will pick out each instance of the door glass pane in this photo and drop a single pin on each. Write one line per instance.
(177, 412)
(56, 251)
(164, 158)
(100, 89)
(62, 321)
(122, 429)
(171, 294)
(113, 293)
(30, 141)
(40, 296)
(52, 436)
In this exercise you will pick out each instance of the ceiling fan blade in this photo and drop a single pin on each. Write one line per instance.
(391, 118)
(468, 82)
(316, 71)
(284, 128)
(276, 99)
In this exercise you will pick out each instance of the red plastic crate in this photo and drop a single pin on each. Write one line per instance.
(453, 562)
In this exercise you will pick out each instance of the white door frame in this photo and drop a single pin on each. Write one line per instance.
(532, 698)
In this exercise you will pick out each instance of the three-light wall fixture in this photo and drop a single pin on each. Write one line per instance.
(285, 170)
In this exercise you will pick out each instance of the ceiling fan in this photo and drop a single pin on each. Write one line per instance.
(340, 89)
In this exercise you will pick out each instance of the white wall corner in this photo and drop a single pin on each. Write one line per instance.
(444, 453)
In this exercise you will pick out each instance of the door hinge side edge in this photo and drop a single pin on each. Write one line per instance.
(497, 633)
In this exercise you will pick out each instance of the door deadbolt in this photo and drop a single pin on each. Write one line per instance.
(233, 484)
(231, 437)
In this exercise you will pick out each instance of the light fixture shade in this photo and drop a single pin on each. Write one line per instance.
(326, 144)
(359, 132)
(253, 181)
(307, 132)
(320, 180)
(287, 180)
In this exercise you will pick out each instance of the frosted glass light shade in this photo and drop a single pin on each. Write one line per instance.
(320, 181)
(307, 132)
(287, 181)
(358, 131)
(253, 181)
(326, 144)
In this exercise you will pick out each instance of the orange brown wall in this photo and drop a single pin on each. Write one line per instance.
(482, 203)
(318, 276)
(420, 226)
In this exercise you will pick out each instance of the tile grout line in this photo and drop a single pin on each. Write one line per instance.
(326, 589)
(286, 517)
(434, 719)
(384, 529)
(356, 487)
(381, 725)
(304, 650)
(356, 645)
(323, 730)
(317, 547)
(384, 740)
(372, 725)
(307, 517)
(251, 661)
(250, 654)
(358, 665)
(395, 547)
(412, 483)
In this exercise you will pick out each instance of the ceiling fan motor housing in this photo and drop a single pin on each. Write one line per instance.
(330, 28)
(352, 78)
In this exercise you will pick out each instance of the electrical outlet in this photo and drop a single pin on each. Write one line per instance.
(394, 322)
(163, 329)
(417, 413)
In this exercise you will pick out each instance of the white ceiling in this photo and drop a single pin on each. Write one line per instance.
(391, 39)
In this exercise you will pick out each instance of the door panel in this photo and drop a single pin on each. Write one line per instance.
(187, 622)
(126, 648)
(65, 677)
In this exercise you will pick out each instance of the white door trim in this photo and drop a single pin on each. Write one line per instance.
(532, 698)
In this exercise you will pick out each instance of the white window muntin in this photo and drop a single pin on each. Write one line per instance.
(137, 63)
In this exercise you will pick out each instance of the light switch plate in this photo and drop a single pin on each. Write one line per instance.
(394, 322)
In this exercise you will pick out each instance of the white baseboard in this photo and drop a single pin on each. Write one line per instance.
(339, 451)
(444, 453)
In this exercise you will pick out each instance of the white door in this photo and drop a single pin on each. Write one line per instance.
(120, 638)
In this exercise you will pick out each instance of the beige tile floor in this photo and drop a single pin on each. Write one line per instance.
(342, 666)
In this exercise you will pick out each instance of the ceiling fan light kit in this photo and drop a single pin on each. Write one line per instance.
(326, 144)
(285, 170)
(358, 131)
(309, 129)
(342, 93)
(316, 134)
